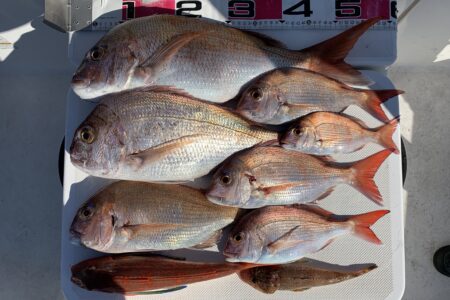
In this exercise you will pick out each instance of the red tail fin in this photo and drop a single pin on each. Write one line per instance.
(363, 173)
(385, 133)
(373, 101)
(328, 57)
(364, 221)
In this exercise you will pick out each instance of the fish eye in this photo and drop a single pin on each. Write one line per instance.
(225, 179)
(97, 53)
(86, 212)
(238, 237)
(256, 94)
(87, 135)
(296, 131)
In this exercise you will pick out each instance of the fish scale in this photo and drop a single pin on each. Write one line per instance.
(286, 94)
(153, 217)
(206, 58)
(301, 275)
(185, 137)
(279, 177)
(327, 133)
(308, 230)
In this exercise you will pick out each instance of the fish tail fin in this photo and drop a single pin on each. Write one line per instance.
(328, 56)
(365, 270)
(364, 171)
(385, 133)
(374, 99)
(364, 221)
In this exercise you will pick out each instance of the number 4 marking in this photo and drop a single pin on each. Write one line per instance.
(307, 12)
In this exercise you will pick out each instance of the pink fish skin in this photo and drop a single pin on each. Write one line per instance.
(282, 234)
(265, 176)
(285, 94)
(206, 58)
(327, 133)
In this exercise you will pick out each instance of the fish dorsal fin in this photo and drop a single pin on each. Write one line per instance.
(284, 242)
(161, 89)
(356, 120)
(316, 210)
(268, 41)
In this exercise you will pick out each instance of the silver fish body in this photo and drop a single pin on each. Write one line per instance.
(282, 234)
(206, 58)
(285, 94)
(136, 216)
(159, 135)
(264, 176)
(326, 133)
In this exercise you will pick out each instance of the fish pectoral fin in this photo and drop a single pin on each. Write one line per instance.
(156, 153)
(133, 231)
(276, 188)
(284, 242)
(165, 53)
(210, 242)
(300, 289)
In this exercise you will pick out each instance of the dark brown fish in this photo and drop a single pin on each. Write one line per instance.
(300, 275)
(132, 273)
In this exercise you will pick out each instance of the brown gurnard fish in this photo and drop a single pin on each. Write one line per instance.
(300, 275)
(265, 176)
(134, 273)
(282, 234)
(160, 134)
(285, 94)
(131, 216)
(206, 58)
(326, 133)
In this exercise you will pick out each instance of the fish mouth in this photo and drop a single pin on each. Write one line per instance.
(77, 281)
(215, 199)
(77, 160)
(231, 256)
(75, 237)
(80, 82)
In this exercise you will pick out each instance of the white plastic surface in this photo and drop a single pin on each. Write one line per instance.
(386, 282)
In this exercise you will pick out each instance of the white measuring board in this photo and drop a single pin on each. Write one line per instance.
(375, 50)
(275, 18)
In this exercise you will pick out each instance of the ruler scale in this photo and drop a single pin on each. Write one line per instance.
(262, 14)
